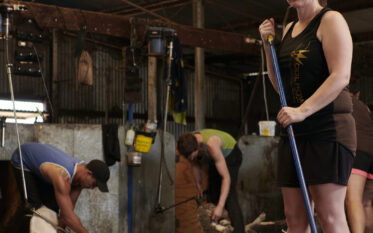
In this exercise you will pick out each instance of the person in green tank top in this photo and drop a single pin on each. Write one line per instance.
(224, 160)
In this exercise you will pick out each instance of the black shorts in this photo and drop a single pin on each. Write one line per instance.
(39, 192)
(363, 164)
(233, 160)
(322, 162)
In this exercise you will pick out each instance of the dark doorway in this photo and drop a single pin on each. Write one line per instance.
(12, 218)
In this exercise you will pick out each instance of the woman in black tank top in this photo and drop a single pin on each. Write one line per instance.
(315, 61)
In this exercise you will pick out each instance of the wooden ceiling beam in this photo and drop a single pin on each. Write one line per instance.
(151, 12)
(348, 5)
(156, 6)
(49, 16)
(343, 6)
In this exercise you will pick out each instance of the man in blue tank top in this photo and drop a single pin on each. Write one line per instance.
(224, 159)
(55, 179)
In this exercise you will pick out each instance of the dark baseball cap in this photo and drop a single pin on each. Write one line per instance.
(100, 172)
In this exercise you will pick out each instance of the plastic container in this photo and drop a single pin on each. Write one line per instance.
(130, 135)
(150, 127)
(134, 158)
(143, 143)
(267, 128)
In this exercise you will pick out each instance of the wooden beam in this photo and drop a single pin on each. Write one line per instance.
(199, 71)
(119, 26)
(152, 89)
(148, 11)
(338, 5)
(154, 6)
(228, 7)
(78, 113)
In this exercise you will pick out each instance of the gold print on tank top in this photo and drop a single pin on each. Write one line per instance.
(297, 55)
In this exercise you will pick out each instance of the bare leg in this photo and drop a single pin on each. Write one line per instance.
(329, 204)
(369, 217)
(295, 211)
(354, 203)
(368, 206)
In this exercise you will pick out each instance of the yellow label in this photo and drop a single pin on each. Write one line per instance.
(266, 132)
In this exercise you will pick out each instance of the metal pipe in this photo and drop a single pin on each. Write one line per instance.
(130, 179)
(293, 145)
(264, 83)
(9, 74)
(2, 126)
(165, 122)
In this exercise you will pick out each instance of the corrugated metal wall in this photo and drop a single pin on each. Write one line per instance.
(25, 87)
(78, 103)
(222, 96)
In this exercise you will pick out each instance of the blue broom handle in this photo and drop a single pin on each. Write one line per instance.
(293, 145)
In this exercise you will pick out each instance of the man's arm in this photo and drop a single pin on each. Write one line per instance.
(74, 194)
(62, 188)
(196, 168)
(214, 145)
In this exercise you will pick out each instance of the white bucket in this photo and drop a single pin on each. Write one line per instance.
(267, 128)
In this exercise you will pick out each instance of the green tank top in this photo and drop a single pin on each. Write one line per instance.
(228, 141)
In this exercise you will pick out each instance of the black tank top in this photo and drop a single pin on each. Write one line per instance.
(304, 68)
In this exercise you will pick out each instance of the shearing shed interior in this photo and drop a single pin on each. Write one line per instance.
(169, 116)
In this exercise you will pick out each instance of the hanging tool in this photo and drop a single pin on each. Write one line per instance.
(294, 148)
(163, 161)
(264, 83)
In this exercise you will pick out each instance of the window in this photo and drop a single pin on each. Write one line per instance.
(28, 112)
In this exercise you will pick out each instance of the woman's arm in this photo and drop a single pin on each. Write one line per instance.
(214, 145)
(267, 28)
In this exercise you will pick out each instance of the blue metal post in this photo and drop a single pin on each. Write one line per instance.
(129, 179)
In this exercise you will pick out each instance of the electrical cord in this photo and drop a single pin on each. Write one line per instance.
(264, 83)
(43, 79)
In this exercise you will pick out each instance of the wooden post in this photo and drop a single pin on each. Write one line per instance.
(54, 110)
(199, 72)
(152, 89)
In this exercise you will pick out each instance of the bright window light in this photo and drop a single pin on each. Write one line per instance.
(23, 108)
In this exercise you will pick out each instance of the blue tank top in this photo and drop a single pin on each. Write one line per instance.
(35, 154)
